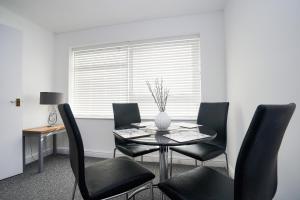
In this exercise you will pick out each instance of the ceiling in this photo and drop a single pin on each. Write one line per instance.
(70, 15)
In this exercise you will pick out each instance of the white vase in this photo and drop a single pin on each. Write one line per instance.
(162, 121)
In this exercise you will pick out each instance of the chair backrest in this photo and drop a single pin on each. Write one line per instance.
(76, 148)
(214, 115)
(256, 167)
(125, 114)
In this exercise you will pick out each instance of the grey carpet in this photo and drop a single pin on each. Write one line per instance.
(57, 180)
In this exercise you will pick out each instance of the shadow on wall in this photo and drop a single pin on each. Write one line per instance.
(236, 130)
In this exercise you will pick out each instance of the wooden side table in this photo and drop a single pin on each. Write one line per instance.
(41, 133)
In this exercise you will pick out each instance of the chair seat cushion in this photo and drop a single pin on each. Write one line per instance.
(199, 183)
(114, 176)
(134, 150)
(200, 151)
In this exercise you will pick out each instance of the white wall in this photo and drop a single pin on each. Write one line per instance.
(37, 70)
(97, 134)
(263, 66)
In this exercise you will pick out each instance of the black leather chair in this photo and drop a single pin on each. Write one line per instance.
(124, 115)
(105, 179)
(214, 116)
(256, 167)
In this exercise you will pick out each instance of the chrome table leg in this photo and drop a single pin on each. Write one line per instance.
(163, 165)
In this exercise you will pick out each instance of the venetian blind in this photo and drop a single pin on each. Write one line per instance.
(102, 76)
(99, 77)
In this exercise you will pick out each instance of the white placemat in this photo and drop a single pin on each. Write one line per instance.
(131, 133)
(186, 136)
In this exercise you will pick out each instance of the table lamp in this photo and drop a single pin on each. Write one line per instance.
(52, 99)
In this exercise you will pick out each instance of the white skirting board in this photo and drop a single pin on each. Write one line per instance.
(177, 159)
(35, 156)
(153, 157)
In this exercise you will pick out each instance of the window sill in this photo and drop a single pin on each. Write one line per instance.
(146, 118)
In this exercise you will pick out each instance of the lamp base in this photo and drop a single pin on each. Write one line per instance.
(52, 118)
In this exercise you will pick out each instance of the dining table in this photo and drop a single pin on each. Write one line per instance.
(158, 138)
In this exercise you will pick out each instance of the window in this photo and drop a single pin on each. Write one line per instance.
(100, 76)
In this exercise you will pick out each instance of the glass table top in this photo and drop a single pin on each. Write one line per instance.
(158, 138)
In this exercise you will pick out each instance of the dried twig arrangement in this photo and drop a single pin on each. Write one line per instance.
(160, 94)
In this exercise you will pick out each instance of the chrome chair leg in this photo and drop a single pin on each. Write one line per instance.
(142, 159)
(74, 190)
(151, 191)
(171, 162)
(115, 149)
(162, 196)
(227, 167)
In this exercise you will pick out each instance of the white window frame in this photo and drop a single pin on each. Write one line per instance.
(85, 47)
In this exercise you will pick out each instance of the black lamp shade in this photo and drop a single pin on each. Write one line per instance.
(51, 98)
